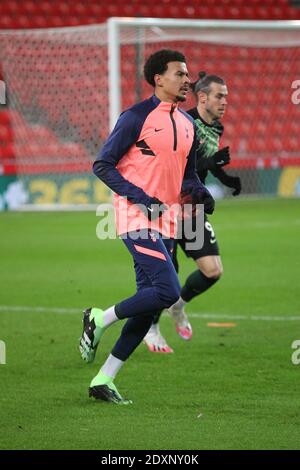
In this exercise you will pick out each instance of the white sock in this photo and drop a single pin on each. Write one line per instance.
(154, 328)
(109, 316)
(111, 366)
(179, 304)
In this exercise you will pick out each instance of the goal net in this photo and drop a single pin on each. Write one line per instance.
(66, 87)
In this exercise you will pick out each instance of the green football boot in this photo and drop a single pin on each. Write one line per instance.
(93, 329)
(103, 388)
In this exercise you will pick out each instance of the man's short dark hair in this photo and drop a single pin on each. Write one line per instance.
(204, 81)
(158, 63)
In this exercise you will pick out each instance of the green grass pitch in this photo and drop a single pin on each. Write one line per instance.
(228, 388)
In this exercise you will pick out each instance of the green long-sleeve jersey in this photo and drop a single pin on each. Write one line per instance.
(208, 136)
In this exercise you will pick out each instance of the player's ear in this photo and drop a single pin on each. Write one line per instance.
(158, 79)
(202, 97)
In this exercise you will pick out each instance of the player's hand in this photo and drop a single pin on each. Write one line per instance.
(235, 183)
(209, 203)
(154, 209)
(200, 195)
(221, 157)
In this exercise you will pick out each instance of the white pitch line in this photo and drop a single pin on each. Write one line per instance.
(23, 308)
(245, 317)
(204, 315)
(256, 225)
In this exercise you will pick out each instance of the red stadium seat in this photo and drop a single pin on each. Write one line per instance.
(30, 14)
(6, 134)
(7, 151)
(4, 117)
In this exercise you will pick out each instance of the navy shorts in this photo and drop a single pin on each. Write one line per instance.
(156, 277)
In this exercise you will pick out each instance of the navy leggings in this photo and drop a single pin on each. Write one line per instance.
(157, 284)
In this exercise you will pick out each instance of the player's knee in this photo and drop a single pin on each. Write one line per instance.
(168, 296)
(214, 272)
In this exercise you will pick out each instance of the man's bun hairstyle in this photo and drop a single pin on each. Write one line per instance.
(204, 81)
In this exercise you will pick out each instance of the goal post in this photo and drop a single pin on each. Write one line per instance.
(66, 87)
(257, 59)
(249, 33)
